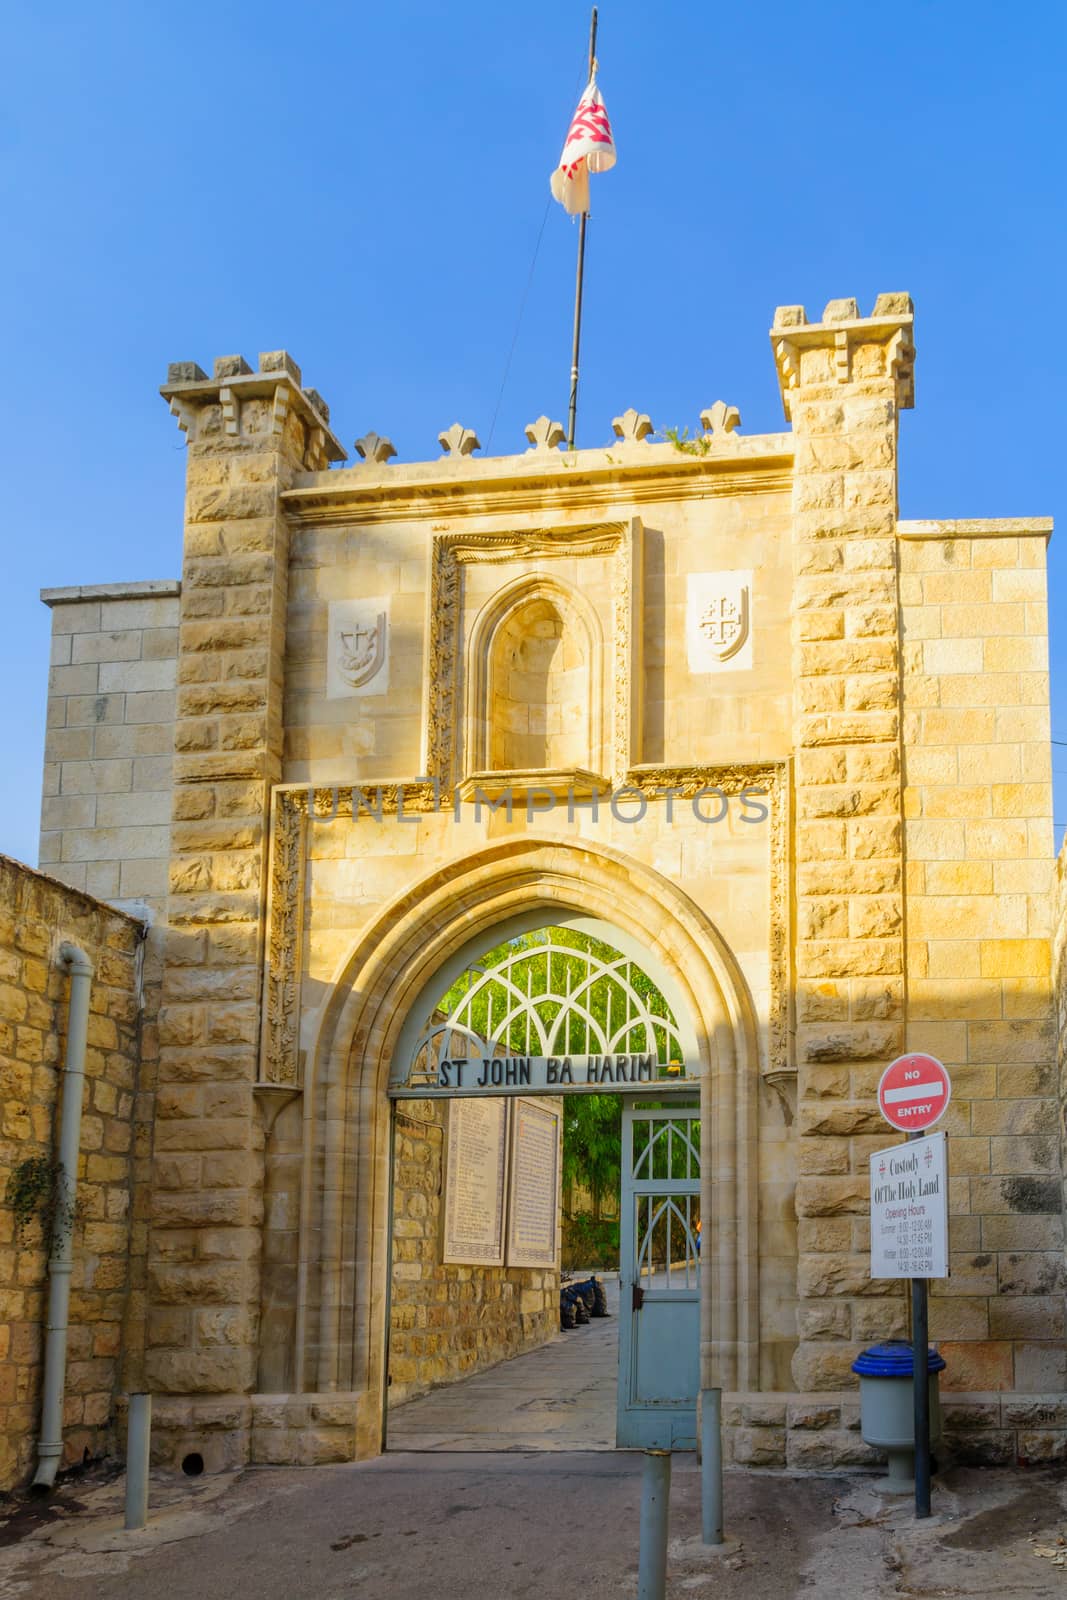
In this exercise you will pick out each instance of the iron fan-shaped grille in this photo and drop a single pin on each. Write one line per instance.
(556, 992)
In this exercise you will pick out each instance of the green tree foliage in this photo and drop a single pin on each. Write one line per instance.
(592, 1151)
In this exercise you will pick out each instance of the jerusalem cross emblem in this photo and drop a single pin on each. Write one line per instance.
(724, 623)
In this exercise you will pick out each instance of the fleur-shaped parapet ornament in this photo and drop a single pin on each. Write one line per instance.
(373, 447)
(457, 441)
(719, 419)
(632, 426)
(544, 435)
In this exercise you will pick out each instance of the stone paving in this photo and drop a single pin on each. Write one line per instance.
(561, 1397)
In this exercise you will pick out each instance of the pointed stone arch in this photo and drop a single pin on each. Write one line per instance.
(341, 1331)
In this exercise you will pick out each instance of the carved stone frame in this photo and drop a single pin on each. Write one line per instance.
(293, 805)
(451, 551)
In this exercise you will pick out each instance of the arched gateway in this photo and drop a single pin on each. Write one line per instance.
(712, 697)
(371, 1020)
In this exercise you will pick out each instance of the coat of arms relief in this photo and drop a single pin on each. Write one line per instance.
(719, 621)
(357, 651)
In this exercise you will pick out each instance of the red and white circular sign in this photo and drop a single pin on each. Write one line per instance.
(914, 1093)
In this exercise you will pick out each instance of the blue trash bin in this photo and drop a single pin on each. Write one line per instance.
(887, 1406)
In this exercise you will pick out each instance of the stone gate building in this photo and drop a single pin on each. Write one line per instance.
(791, 750)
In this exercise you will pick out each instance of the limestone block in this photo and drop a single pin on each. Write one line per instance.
(824, 1366)
(849, 1043)
(96, 777)
(1040, 1367)
(811, 1451)
(758, 1447)
(876, 1320)
(1032, 1272)
(827, 1276)
(1022, 1232)
(976, 1366)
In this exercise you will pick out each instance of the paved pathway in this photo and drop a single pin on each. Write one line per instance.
(560, 1397)
(531, 1527)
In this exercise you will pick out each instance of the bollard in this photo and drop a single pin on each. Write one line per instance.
(138, 1439)
(655, 1497)
(711, 1466)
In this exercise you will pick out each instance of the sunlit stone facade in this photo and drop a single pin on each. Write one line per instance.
(835, 843)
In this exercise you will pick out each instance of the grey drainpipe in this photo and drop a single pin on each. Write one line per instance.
(61, 1260)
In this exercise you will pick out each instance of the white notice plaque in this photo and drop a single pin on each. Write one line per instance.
(909, 1209)
(533, 1202)
(475, 1170)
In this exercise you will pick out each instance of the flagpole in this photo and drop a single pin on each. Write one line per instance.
(572, 411)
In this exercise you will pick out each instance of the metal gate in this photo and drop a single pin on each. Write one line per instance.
(659, 1277)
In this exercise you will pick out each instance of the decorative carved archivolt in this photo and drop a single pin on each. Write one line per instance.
(594, 539)
(628, 631)
(280, 1037)
(774, 778)
(295, 806)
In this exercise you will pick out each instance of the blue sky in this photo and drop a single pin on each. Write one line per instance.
(365, 187)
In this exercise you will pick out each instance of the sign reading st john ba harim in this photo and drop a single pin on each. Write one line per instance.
(558, 1009)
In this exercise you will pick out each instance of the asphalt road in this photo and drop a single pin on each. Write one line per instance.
(440, 1526)
(463, 1526)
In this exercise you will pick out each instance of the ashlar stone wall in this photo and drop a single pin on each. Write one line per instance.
(105, 814)
(448, 1320)
(37, 915)
(978, 839)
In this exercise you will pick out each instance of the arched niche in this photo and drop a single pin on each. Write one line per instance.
(535, 682)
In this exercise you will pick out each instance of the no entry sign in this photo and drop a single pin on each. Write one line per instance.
(914, 1093)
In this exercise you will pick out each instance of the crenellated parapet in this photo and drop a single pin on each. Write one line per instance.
(846, 348)
(238, 404)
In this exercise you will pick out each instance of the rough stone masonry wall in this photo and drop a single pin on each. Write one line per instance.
(36, 915)
(1059, 990)
(449, 1321)
(844, 381)
(248, 433)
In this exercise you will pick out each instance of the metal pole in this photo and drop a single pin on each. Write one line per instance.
(138, 1439)
(711, 1465)
(61, 1256)
(920, 1341)
(572, 410)
(920, 1345)
(655, 1496)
